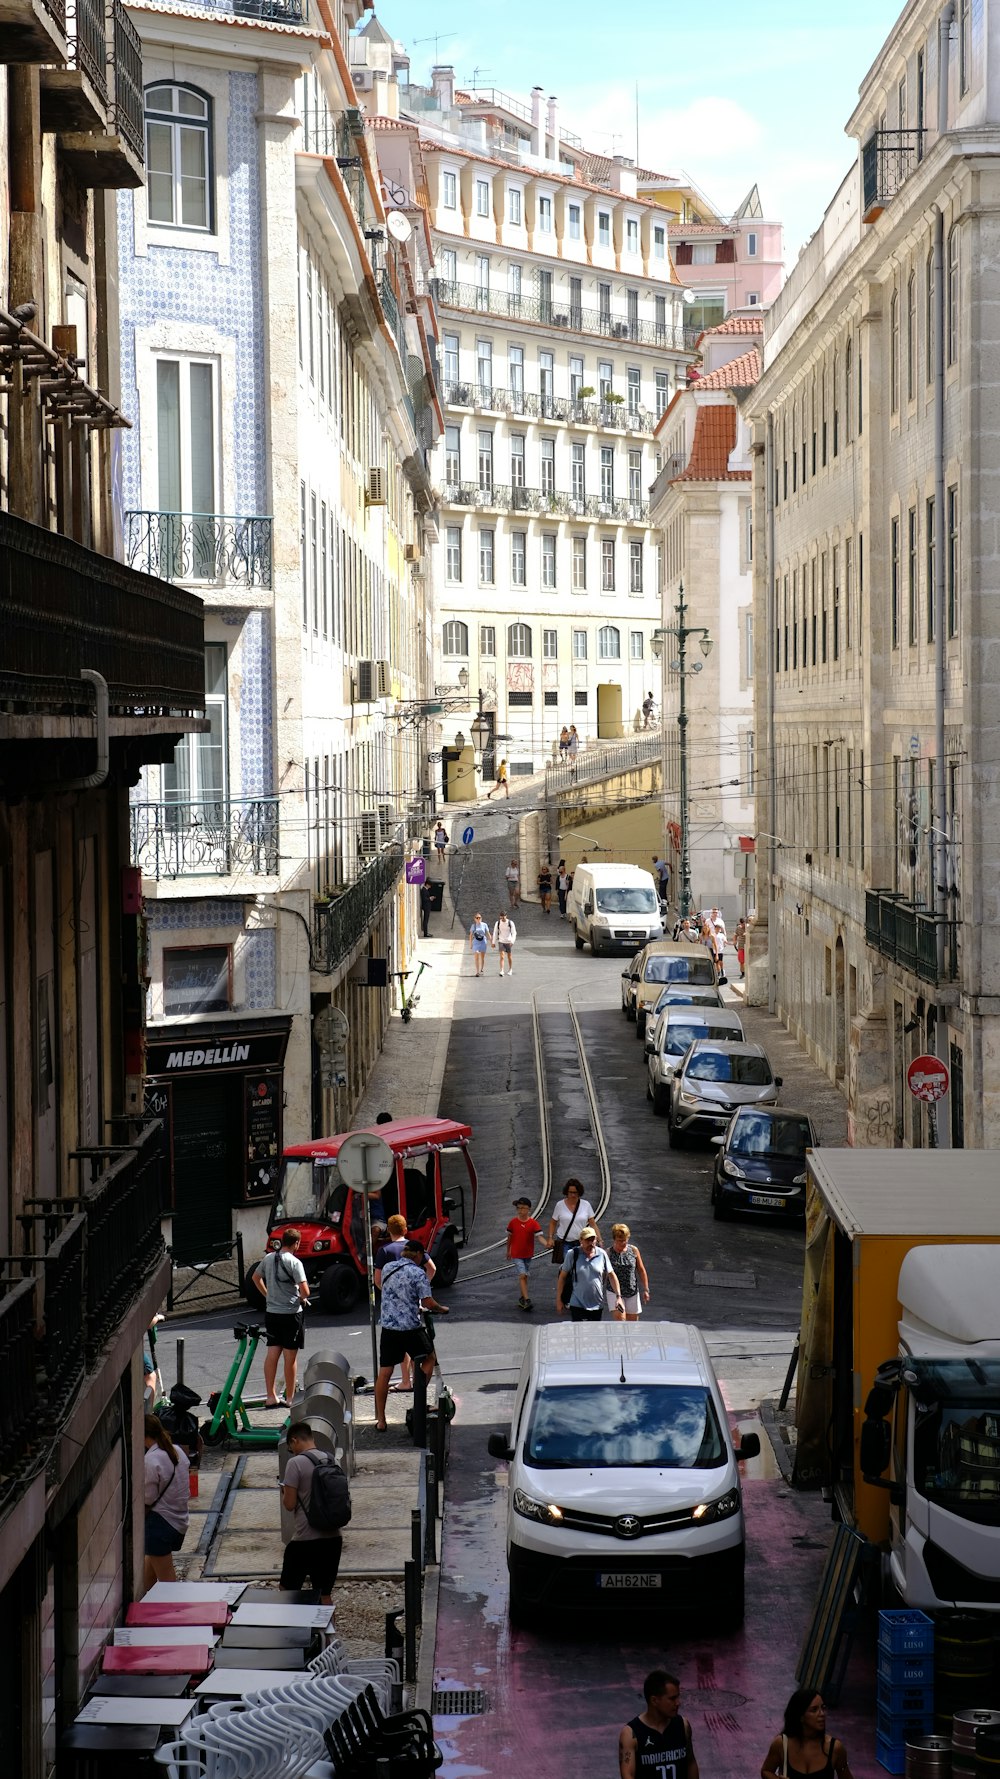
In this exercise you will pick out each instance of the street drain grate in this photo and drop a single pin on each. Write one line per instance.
(731, 1281)
(459, 1704)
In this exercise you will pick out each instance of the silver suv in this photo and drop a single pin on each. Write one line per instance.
(679, 1028)
(712, 1081)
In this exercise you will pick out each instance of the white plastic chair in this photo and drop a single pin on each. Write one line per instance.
(381, 1672)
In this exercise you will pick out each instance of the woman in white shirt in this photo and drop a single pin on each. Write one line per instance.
(571, 1215)
(167, 1495)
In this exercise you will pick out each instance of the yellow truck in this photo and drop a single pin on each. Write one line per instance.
(898, 1397)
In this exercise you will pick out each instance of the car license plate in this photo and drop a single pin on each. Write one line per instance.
(766, 1201)
(625, 1582)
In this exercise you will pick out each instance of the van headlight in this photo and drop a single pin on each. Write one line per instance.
(599, 920)
(722, 1508)
(544, 1511)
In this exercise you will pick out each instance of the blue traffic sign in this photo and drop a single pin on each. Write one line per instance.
(468, 834)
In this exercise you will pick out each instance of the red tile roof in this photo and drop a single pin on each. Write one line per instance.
(739, 373)
(714, 438)
(735, 324)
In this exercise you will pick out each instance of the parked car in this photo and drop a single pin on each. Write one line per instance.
(678, 994)
(713, 1081)
(630, 978)
(761, 1164)
(668, 961)
(679, 1028)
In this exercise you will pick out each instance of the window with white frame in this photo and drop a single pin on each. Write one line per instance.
(455, 639)
(579, 645)
(482, 280)
(659, 241)
(453, 552)
(703, 253)
(752, 245)
(660, 317)
(484, 368)
(519, 642)
(635, 565)
(546, 381)
(662, 393)
(515, 372)
(452, 454)
(545, 216)
(604, 228)
(574, 222)
(449, 265)
(548, 559)
(634, 387)
(199, 770)
(449, 191)
(482, 197)
(514, 205)
(580, 566)
(635, 645)
(514, 287)
(187, 454)
(486, 546)
(451, 358)
(178, 156)
(518, 558)
(635, 478)
(753, 299)
(548, 465)
(550, 645)
(609, 643)
(486, 461)
(578, 471)
(607, 474)
(607, 565)
(605, 376)
(575, 377)
(487, 641)
(951, 297)
(631, 235)
(604, 304)
(517, 459)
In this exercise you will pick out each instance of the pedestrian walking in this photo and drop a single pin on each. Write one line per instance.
(804, 1748)
(479, 938)
(647, 710)
(385, 1252)
(281, 1280)
(425, 909)
(316, 1491)
(167, 1494)
(662, 870)
(501, 783)
(406, 1297)
(719, 953)
(571, 1214)
(563, 742)
(627, 1264)
(513, 876)
(573, 746)
(521, 1232)
(587, 1274)
(740, 944)
(564, 883)
(440, 842)
(657, 1744)
(545, 887)
(503, 939)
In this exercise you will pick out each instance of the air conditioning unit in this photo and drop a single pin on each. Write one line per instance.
(365, 683)
(369, 831)
(384, 679)
(375, 495)
(411, 552)
(388, 819)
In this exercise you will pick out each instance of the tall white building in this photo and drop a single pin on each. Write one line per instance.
(562, 341)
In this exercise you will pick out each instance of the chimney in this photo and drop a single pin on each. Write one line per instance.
(537, 142)
(554, 126)
(443, 84)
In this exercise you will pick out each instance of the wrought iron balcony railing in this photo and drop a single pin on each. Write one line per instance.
(492, 398)
(208, 549)
(560, 314)
(19, 1398)
(203, 838)
(88, 44)
(500, 497)
(887, 160)
(909, 935)
(340, 922)
(126, 59)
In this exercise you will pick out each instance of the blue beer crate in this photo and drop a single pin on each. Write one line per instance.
(898, 1728)
(890, 1755)
(904, 1670)
(905, 1633)
(905, 1701)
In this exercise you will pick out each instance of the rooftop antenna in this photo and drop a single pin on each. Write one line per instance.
(439, 37)
(476, 72)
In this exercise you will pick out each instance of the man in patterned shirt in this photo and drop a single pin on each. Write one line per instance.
(405, 1296)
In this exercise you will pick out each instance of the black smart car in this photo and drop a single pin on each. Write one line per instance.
(761, 1164)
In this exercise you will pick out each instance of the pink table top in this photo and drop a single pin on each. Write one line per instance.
(186, 1658)
(175, 1612)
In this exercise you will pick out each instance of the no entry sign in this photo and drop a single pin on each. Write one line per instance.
(927, 1078)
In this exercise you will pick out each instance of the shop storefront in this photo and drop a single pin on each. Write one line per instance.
(219, 1088)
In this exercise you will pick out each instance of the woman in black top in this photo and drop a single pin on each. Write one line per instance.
(804, 1750)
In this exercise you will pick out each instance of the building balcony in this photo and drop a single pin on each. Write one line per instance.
(33, 31)
(76, 97)
(540, 311)
(109, 152)
(499, 497)
(237, 835)
(908, 934)
(343, 921)
(491, 398)
(200, 549)
(887, 160)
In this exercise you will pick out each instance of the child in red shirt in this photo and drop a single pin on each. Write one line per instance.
(521, 1232)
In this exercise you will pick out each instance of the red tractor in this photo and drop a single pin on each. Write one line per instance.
(434, 1188)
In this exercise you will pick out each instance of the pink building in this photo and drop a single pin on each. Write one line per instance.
(734, 265)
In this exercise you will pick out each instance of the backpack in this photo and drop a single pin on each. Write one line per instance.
(570, 1280)
(330, 1496)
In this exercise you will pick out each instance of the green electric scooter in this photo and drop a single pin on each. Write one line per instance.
(230, 1418)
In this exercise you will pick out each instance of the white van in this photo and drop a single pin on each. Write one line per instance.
(614, 908)
(623, 1477)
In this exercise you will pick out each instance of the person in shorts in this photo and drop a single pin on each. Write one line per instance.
(405, 1296)
(627, 1265)
(311, 1557)
(167, 1494)
(281, 1279)
(513, 876)
(521, 1232)
(503, 938)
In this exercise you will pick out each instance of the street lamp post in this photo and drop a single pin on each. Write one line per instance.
(681, 632)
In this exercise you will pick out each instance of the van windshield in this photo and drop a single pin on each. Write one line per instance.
(613, 1426)
(956, 1440)
(310, 1187)
(634, 900)
(725, 1065)
(663, 968)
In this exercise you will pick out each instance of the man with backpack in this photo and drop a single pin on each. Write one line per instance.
(317, 1492)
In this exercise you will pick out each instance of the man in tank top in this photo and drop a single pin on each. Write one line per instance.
(657, 1744)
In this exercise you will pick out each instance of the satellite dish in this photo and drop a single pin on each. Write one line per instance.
(689, 296)
(398, 226)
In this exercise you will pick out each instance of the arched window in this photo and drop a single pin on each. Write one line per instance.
(519, 641)
(178, 156)
(609, 643)
(456, 637)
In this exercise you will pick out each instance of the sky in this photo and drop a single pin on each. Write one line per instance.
(737, 95)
